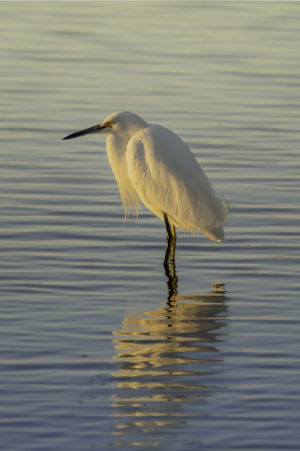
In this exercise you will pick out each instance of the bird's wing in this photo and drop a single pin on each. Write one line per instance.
(168, 179)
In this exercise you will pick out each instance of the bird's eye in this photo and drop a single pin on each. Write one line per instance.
(109, 124)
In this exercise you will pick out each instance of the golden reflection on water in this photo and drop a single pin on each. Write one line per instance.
(167, 357)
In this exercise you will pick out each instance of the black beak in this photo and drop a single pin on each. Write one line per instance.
(86, 131)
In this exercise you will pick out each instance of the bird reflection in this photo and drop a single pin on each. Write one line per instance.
(170, 268)
(169, 360)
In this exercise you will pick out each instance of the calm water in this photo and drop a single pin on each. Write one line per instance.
(92, 353)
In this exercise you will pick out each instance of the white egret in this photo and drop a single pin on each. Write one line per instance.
(154, 166)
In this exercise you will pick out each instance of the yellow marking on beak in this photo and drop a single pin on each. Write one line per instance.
(107, 124)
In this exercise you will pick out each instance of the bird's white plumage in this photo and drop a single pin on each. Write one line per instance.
(167, 178)
(154, 166)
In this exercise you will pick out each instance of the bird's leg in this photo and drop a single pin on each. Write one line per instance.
(169, 262)
(168, 227)
(171, 242)
(172, 282)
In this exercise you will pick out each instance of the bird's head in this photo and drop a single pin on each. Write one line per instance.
(117, 123)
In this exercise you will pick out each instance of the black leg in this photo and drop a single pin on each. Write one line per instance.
(171, 241)
(169, 262)
(168, 227)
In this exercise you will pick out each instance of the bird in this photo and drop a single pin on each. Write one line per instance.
(155, 167)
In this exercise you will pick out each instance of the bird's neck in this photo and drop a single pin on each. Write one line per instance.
(117, 144)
